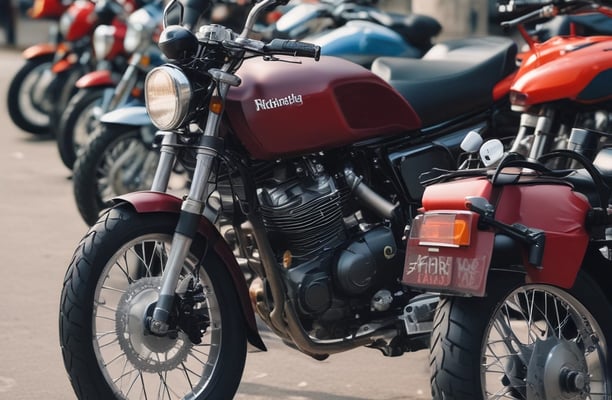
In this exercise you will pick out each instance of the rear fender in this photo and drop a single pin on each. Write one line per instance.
(133, 115)
(96, 79)
(39, 50)
(157, 202)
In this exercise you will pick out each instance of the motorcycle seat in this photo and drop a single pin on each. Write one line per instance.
(415, 29)
(453, 78)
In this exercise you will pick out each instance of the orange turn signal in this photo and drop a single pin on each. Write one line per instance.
(216, 105)
(452, 229)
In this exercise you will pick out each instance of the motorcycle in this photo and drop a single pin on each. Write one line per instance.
(525, 302)
(562, 84)
(101, 91)
(356, 30)
(43, 86)
(524, 309)
(120, 158)
(317, 182)
(360, 32)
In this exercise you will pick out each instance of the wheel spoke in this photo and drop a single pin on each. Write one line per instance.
(541, 313)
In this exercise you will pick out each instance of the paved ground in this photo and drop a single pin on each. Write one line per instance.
(41, 227)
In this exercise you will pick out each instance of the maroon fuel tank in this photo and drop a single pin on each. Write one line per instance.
(284, 108)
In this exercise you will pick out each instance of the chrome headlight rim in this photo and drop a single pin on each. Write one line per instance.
(103, 40)
(168, 96)
(65, 23)
(140, 27)
(134, 36)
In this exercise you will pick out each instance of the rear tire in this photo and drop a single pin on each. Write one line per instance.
(470, 359)
(110, 284)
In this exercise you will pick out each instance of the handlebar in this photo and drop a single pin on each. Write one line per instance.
(293, 48)
(544, 12)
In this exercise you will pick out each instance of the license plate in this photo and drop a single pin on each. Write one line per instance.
(461, 270)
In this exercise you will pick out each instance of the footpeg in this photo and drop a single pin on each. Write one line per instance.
(419, 313)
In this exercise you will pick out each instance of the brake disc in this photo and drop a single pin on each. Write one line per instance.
(144, 350)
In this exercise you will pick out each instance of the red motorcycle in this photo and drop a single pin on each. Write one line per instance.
(41, 89)
(563, 83)
(521, 255)
(521, 252)
(311, 168)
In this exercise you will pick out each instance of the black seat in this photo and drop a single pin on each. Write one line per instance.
(418, 30)
(453, 78)
(583, 182)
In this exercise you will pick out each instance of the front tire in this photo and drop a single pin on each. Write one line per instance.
(523, 341)
(111, 283)
(78, 123)
(27, 107)
(115, 162)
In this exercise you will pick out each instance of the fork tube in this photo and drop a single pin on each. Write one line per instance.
(186, 229)
(166, 162)
(543, 137)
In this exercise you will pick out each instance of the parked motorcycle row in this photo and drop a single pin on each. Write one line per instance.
(337, 172)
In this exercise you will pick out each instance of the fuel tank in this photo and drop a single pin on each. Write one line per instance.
(297, 106)
(574, 68)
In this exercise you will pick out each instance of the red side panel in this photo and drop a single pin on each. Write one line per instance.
(558, 211)
(554, 208)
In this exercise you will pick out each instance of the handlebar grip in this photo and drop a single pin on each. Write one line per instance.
(294, 48)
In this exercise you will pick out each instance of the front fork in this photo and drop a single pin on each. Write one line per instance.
(193, 206)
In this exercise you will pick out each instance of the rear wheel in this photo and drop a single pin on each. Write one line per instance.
(110, 288)
(523, 341)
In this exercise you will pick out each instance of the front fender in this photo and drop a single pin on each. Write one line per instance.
(154, 202)
(132, 115)
(39, 50)
(96, 78)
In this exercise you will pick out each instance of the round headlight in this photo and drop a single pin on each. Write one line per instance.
(103, 40)
(167, 96)
(133, 38)
(65, 23)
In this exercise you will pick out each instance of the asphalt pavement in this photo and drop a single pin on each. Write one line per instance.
(41, 229)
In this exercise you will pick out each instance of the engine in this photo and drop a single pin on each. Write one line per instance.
(335, 265)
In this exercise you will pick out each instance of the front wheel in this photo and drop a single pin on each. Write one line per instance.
(116, 161)
(110, 288)
(523, 341)
(28, 106)
(79, 122)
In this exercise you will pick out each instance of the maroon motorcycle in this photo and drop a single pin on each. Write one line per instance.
(302, 168)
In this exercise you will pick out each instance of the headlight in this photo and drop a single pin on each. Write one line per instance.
(103, 40)
(65, 23)
(167, 96)
(140, 27)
